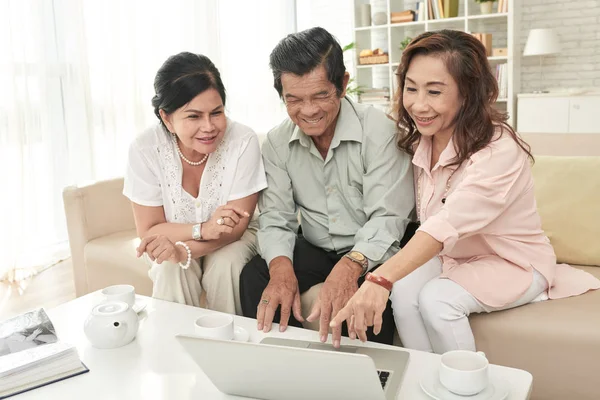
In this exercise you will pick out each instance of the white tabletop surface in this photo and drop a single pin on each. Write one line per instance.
(154, 366)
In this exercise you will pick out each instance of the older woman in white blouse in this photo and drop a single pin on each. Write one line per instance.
(193, 180)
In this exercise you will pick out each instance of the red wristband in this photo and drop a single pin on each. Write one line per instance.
(379, 280)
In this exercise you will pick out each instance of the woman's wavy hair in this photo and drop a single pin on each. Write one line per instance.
(466, 61)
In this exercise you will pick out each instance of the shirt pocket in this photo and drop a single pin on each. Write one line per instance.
(354, 199)
(354, 192)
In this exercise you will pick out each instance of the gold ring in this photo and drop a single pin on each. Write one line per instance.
(264, 301)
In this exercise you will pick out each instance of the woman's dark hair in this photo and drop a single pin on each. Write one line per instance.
(181, 78)
(466, 60)
(302, 52)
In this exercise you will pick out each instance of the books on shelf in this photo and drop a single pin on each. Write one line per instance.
(375, 96)
(451, 8)
(404, 16)
(502, 78)
(486, 40)
(440, 9)
(502, 6)
(31, 356)
(421, 16)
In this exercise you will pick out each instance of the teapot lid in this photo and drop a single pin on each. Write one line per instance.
(110, 308)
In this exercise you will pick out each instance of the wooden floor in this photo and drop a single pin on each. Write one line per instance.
(48, 289)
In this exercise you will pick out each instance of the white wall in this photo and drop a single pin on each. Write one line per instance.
(577, 22)
(336, 16)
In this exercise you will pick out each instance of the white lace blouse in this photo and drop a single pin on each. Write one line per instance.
(154, 173)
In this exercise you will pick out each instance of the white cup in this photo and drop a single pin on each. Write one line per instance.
(125, 293)
(215, 326)
(464, 372)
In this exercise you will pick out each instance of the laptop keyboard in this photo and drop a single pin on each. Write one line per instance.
(383, 377)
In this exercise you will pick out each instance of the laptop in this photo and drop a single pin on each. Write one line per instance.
(286, 369)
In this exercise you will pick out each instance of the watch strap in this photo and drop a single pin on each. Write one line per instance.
(363, 263)
(197, 232)
(379, 280)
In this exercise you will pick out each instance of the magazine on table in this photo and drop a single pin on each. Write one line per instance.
(31, 355)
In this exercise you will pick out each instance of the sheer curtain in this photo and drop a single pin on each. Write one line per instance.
(76, 81)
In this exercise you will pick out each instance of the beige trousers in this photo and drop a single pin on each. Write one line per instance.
(217, 274)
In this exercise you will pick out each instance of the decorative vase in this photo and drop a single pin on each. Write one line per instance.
(365, 15)
(486, 8)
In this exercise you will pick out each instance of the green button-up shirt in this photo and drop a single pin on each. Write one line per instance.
(359, 198)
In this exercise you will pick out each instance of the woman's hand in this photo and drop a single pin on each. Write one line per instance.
(364, 309)
(223, 221)
(159, 248)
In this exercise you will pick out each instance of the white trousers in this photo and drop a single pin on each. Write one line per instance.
(217, 273)
(431, 313)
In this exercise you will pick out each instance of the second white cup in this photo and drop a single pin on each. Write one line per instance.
(464, 372)
(125, 293)
(215, 326)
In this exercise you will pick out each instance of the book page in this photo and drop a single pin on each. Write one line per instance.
(12, 363)
(26, 331)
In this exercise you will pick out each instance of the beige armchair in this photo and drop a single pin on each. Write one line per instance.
(103, 239)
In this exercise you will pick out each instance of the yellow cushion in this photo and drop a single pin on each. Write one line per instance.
(567, 190)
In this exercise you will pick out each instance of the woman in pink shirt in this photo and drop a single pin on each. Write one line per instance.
(480, 246)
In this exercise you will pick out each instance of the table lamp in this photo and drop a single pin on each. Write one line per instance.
(541, 42)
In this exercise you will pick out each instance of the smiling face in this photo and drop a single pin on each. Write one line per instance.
(312, 102)
(431, 96)
(199, 124)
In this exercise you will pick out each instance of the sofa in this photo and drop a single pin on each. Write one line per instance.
(557, 341)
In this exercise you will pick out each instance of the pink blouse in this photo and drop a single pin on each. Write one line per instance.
(489, 226)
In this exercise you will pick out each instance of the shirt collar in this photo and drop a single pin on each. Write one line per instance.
(347, 128)
(422, 157)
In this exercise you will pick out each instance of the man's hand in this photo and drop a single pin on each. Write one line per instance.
(281, 290)
(338, 288)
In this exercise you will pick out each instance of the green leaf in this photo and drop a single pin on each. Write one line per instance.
(348, 47)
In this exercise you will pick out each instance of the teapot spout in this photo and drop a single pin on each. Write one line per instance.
(119, 329)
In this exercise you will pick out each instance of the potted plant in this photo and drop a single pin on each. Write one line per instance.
(485, 5)
(353, 89)
(405, 43)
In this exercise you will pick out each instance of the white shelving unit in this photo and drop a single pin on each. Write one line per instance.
(502, 26)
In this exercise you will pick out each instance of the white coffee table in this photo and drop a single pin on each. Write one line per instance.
(154, 366)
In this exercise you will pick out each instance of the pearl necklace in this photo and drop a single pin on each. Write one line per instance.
(194, 163)
(419, 193)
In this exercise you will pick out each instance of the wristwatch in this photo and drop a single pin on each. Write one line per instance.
(197, 232)
(360, 259)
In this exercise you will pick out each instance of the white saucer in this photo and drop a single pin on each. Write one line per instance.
(139, 305)
(240, 334)
(496, 390)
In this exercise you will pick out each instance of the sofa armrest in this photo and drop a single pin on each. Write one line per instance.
(93, 211)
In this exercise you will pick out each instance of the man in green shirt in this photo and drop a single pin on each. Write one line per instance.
(334, 164)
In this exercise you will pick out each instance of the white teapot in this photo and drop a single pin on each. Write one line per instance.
(110, 325)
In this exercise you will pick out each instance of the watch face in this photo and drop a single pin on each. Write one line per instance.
(356, 255)
(196, 232)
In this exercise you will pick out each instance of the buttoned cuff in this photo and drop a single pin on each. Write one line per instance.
(277, 250)
(440, 229)
(375, 249)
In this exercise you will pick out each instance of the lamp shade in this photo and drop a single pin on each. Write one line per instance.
(541, 42)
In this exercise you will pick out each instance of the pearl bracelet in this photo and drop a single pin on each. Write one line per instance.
(189, 253)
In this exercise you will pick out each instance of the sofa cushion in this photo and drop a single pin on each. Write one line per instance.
(555, 338)
(111, 260)
(568, 191)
